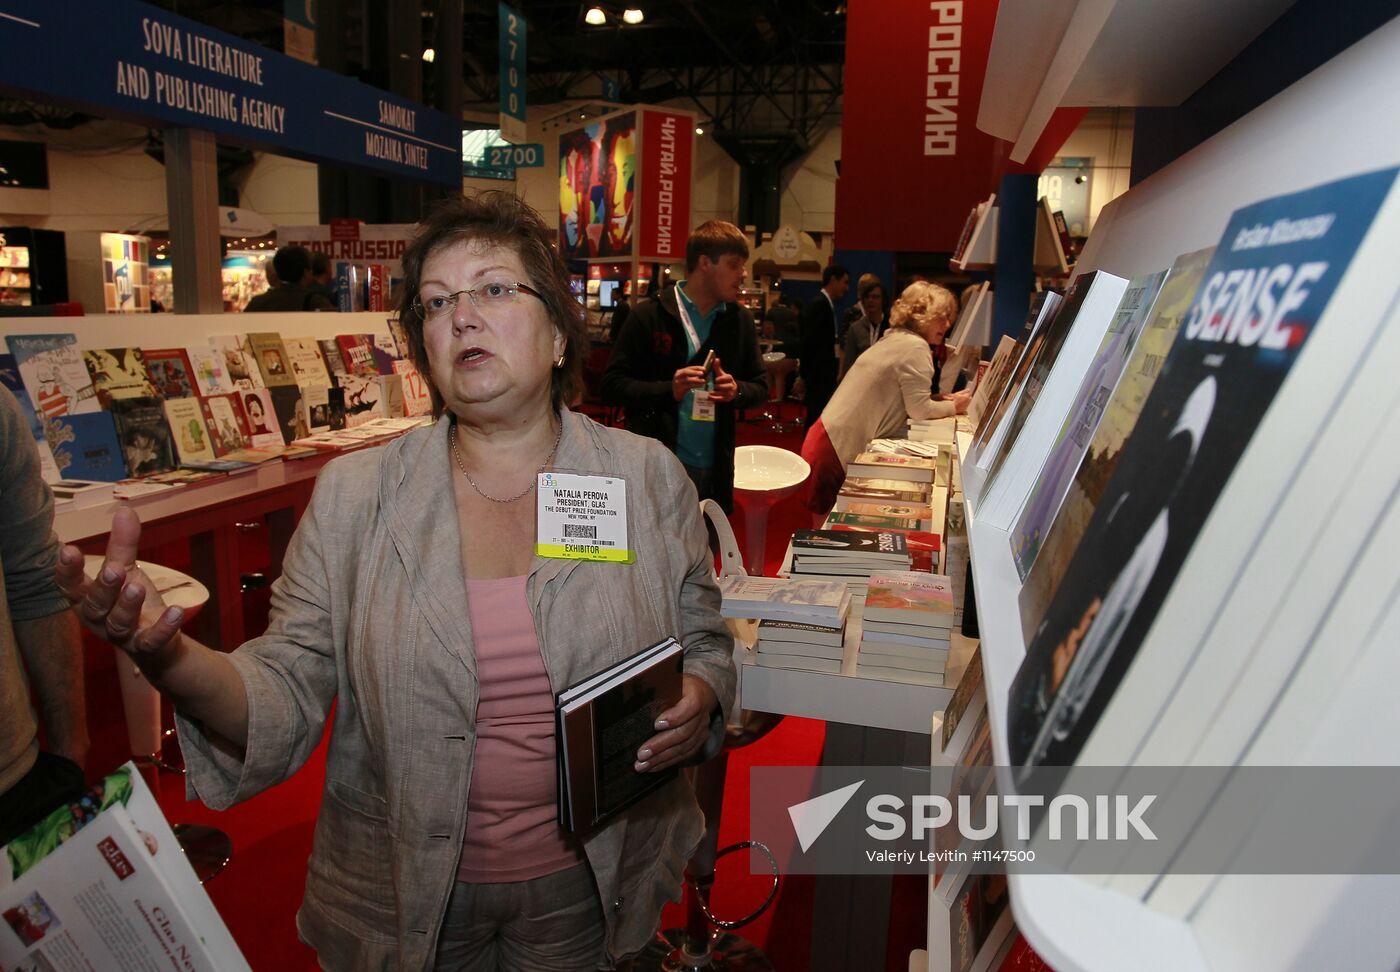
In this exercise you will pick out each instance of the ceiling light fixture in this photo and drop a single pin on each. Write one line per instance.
(429, 54)
(633, 15)
(699, 130)
(595, 16)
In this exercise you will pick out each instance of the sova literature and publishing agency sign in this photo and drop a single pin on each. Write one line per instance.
(139, 63)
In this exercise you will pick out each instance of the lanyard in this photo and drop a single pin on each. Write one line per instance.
(691, 335)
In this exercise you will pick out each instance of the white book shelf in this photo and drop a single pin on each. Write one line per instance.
(1331, 709)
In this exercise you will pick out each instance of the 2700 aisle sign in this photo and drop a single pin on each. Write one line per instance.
(520, 156)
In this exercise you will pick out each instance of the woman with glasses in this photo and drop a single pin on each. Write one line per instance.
(412, 599)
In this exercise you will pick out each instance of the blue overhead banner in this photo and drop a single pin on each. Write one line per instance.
(137, 62)
(512, 34)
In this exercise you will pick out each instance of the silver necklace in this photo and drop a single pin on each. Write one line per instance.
(452, 437)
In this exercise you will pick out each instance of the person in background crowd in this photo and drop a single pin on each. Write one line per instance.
(412, 607)
(890, 383)
(819, 362)
(867, 328)
(656, 372)
(40, 643)
(323, 277)
(293, 267)
(855, 311)
(619, 316)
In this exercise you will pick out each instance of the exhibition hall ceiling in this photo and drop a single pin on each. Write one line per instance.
(675, 35)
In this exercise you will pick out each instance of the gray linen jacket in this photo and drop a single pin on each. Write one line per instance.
(369, 613)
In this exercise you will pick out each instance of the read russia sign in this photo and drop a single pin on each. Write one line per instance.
(663, 216)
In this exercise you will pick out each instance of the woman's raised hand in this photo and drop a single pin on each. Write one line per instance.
(121, 604)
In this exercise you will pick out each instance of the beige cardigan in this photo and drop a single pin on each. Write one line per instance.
(370, 613)
(887, 384)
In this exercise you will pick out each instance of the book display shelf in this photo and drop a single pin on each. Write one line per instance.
(224, 522)
(1264, 650)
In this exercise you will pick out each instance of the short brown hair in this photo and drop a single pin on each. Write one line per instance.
(714, 239)
(920, 301)
(500, 219)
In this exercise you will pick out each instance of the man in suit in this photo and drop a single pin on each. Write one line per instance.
(820, 362)
(656, 370)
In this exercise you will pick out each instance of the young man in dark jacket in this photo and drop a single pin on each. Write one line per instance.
(656, 371)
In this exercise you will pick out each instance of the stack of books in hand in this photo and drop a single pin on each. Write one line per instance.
(908, 626)
(802, 622)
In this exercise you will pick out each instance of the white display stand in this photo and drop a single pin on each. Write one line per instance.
(1050, 256)
(981, 250)
(1330, 709)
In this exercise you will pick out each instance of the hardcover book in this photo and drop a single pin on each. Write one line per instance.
(9, 377)
(417, 399)
(1053, 552)
(144, 435)
(1082, 418)
(601, 722)
(271, 357)
(118, 373)
(227, 425)
(261, 413)
(291, 412)
(170, 373)
(307, 362)
(53, 373)
(332, 355)
(362, 396)
(1264, 293)
(991, 384)
(207, 369)
(85, 446)
(191, 435)
(1077, 330)
(317, 398)
(1044, 309)
(240, 365)
(385, 352)
(358, 352)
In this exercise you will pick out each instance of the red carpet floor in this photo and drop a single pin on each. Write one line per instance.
(258, 893)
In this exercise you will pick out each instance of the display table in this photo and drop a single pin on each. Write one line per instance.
(211, 517)
(870, 722)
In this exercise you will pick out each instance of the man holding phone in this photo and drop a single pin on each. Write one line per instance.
(685, 362)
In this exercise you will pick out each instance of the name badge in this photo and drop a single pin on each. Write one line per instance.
(702, 407)
(582, 517)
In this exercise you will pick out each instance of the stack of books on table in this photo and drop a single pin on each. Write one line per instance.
(940, 452)
(908, 627)
(848, 555)
(912, 507)
(802, 621)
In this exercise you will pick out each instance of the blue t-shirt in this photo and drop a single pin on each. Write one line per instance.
(695, 441)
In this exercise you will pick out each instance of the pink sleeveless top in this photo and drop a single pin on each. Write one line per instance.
(512, 831)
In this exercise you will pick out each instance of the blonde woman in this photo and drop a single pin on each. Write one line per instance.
(886, 385)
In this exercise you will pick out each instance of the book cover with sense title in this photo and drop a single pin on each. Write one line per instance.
(1274, 272)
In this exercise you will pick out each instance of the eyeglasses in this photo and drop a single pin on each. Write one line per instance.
(492, 296)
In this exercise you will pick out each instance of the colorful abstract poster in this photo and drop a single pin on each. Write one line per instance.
(597, 182)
